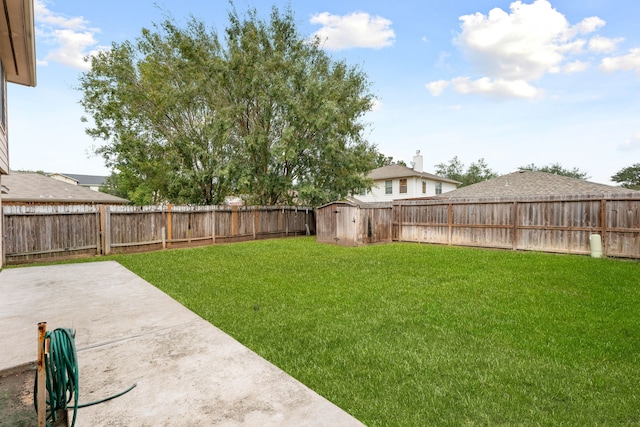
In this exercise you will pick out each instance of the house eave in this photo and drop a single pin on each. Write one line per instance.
(17, 42)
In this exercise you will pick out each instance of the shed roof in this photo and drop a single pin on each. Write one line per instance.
(399, 171)
(529, 184)
(36, 188)
(353, 202)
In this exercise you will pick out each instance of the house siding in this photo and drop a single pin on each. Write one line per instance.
(4, 156)
(4, 153)
(17, 65)
(414, 189)
(4, 140)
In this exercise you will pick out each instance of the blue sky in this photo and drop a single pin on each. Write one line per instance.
(515, 83)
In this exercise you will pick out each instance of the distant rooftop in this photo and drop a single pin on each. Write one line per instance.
(536, 184)
(93, 180)
(399, 171)
(28, 187)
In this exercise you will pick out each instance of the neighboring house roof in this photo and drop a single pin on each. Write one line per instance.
(86, 180)
(17, 43)
(37, 188)
(399, 171)
(523, 184)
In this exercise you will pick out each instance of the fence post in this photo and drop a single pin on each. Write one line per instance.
(213, 224)
(169, 221)
(514, 214)
(98, 231)
(234, 220)
(189, 223)
(255, 222)
(603, 225)
(285, 218)
(105, 229)
(398, 216)
(450, 221)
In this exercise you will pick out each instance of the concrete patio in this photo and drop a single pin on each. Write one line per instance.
(187, 371)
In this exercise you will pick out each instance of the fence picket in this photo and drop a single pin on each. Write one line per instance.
(44, 232)
(560, 225)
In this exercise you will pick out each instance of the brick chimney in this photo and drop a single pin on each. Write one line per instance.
(417, 162)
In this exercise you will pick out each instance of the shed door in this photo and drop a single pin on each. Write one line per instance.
(345, 225)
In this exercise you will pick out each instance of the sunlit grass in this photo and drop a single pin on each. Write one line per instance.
(408, 334)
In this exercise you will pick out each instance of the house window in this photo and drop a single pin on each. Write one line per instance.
(424, 187)
(403, 185)
(438, 188)
(363, 191)
(388, 187)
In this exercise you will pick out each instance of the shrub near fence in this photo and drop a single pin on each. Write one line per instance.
(44, 233)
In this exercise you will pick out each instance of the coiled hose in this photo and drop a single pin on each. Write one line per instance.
(61, 368)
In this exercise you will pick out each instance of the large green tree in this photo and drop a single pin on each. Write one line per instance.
(264, 114)
(476, 172)
(157, 106)
(628, 177)
(557, 169)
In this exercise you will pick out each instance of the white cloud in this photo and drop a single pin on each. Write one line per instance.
(499, 88)
(357, 29)
(601, 44)
(631, 144)
(589, 25)
(628, 62)
(70, 38)
(516, 48)
(504, 46)
(46, 17)
(575, 66)
(443, 59)
(523, 44)
(376, 105)
(437, 87)
(72, 48)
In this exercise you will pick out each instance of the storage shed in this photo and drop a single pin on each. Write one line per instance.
(348, 223)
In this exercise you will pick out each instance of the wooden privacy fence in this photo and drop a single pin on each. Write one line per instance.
(347, 224)
(561, 225)
(550, 225)
(38, 232)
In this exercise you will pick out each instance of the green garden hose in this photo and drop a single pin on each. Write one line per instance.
(61, 367)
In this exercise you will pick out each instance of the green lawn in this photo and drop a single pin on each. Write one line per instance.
(408, 334)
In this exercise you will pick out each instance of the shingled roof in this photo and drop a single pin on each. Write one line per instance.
(87, 180)
(25, 187)
(399, 171)
(83, 180)
(530, 184)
